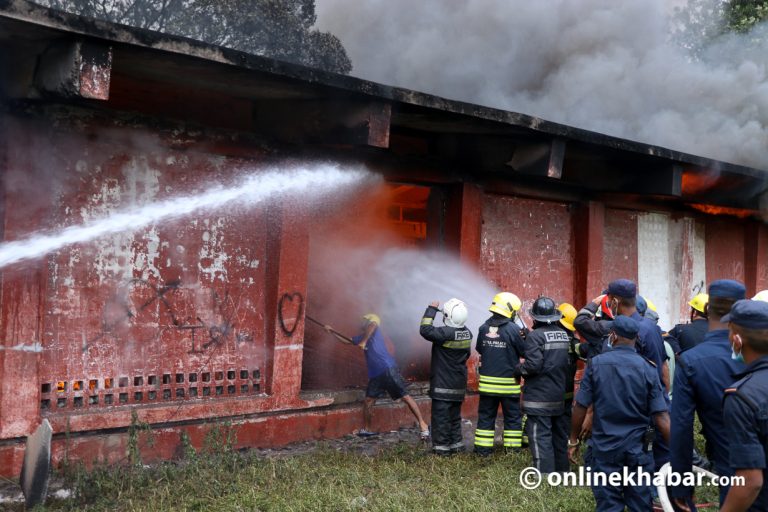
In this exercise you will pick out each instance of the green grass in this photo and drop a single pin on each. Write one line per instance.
(401, 476)
(398, 478)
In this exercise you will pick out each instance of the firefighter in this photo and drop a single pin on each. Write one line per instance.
(745, 404)
(627, 396)
(500, 346)
(448, 380)
(703, 373)
(545, 371)
(594, 324)
(689, 335)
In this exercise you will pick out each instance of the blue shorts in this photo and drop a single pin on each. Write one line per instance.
(390, 382)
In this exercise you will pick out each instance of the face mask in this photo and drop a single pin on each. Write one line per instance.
(736, 357)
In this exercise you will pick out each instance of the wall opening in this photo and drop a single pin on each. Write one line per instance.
(348, 265)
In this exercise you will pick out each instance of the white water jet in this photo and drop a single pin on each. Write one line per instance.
(254, 189)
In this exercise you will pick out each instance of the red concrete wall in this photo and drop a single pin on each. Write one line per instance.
(526, 247)
(169, 313)
(756, 249)
(619, 245)
(725, 248)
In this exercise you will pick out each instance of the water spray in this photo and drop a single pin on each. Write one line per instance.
(254, 189)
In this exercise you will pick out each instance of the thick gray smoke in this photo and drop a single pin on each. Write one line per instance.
(597, 64)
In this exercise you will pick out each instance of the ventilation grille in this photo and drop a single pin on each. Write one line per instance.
(144, 389)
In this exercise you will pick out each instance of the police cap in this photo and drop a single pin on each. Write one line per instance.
(626, 327)
(623, 288)
(750, 314)
(727, 289)
(641, 305)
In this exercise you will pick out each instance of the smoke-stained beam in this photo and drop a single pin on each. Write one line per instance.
(642, 177)
(540, 159)
(360, 123)
(75, 69)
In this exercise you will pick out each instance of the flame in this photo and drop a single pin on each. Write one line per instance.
(697, 181)
(723, 210)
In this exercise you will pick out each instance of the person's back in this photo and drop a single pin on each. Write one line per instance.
(545, 369)
(500, 347)
(703, 373)
(377, 356)
(745, 405)
(621, 380)
(650, 343)
(448, 380)
(627, 397)
(690, 335)
(709, 369)
(450, 351)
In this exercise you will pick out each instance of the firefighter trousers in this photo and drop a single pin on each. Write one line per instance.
(487, 410)
(446, 427)
(548, 441)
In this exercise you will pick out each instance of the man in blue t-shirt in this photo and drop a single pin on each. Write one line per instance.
(383, 374)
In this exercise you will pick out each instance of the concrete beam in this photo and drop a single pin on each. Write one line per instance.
(589, 227)
(360, 123)
(75, 69)
(543, 159)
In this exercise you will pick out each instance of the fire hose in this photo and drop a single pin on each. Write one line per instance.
(665, 471)
(346, 339)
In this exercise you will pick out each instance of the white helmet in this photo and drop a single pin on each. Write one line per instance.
(455, 313)
(763, 296)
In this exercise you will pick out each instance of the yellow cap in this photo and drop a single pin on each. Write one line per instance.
(699, 302)
(373, 317)
(569, 315)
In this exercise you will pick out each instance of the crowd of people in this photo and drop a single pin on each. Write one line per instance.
(637, 397)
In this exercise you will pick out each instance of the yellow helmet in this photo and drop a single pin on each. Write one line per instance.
(651, 305)
(506, 304)
(763, 296)
(569, 315)
(372, 317)
(699, 302)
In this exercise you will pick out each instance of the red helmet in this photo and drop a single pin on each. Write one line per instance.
(606, 309)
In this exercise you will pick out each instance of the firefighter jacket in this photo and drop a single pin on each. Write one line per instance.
(451, 347)
(500, 346)
(573, 359)
(545, 370)
(594, 328)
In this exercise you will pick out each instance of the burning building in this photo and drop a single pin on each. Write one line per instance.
(189, 320)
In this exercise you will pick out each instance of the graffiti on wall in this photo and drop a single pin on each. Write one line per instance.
(167, 306)
(290, 309)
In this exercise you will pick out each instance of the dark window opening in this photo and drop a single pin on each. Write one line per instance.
(407, 217)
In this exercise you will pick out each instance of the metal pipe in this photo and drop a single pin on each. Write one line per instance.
(333, 331)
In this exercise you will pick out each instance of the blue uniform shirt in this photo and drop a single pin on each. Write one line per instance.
(650, 343)
(377, 357)
(702, 374)
(626, 391)
(744, 409)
